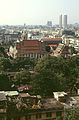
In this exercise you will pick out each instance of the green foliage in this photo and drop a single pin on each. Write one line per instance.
(22, 77)
(56, 74)
(23, 63)
(50, 73)
(5, 64)
(68, 32)
(72, 114)
(3, 52)
(48, 77)
(5, 84)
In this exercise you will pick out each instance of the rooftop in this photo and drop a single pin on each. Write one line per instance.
(51, 39)
(52, 103)
(30, 43)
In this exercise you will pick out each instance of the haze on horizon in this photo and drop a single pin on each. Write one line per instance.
(38, 12)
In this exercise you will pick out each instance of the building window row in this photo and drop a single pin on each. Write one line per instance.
(31, 55)
(45, 116)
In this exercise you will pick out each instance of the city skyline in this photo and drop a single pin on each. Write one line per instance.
(32, 12)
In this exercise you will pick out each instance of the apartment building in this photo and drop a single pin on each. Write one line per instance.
(47, 109)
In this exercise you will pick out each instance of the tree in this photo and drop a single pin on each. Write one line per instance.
(68, 32)
(22, 77)
(5, 64)
(72, 114)
(47, 78)
(56, 74)
(71, 75)
(3, 52)
(5, 84)
(23, 63)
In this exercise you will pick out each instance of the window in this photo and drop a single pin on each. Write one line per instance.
(38, 116)
(28, 117)
(58, 115)
(59, 118)
(49, 114)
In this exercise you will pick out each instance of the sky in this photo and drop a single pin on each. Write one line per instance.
(37, 12)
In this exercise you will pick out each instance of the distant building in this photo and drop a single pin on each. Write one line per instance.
(9, 37)
(62, 50)
(52, 42)
(65, 21)
(27, 48)
(60, 21)
(24, 36)
(49, 23)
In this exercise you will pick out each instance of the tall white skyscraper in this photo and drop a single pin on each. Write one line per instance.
(60, 21)
(65, 21)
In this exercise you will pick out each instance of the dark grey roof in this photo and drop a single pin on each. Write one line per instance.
(52, 103)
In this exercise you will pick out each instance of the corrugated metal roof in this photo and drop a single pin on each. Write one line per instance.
(24, 94)
(11, 93)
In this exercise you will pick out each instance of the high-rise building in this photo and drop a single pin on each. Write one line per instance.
(49, 23)
(60, 21)
(65, 21)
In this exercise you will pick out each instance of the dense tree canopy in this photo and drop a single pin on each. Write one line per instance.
(68, 32)
(22, 77)
(23, 63)
(56, 74)
(72, 114)
(5, 83)
(5, 64)
(50, 73)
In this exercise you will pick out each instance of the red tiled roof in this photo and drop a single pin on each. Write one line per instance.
(45, 39)
(25, 87)
(53, 45)
(30, 43)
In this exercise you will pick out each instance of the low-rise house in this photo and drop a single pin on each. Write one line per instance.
(30, 107)
(67, 100)
(11, 93)
(50, 109)
(24, 88)
(60, 96)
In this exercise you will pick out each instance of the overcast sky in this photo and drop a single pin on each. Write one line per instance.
(37, 11)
